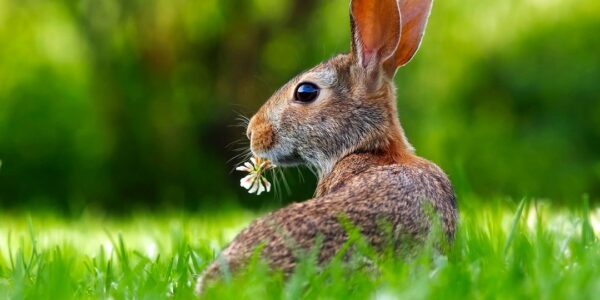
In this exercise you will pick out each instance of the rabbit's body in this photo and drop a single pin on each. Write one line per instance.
(340, 117)
(366, 191)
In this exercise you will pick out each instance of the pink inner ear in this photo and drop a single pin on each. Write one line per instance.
(375, 28)
(368, 55)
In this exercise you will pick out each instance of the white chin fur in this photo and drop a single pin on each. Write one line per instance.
(280, 156)
(285, 157)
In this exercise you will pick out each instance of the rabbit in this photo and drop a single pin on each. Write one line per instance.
(340, 117)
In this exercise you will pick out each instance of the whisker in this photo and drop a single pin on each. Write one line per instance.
(244, 126)
(244, 148)
(242, 119)
(285, 182)
(276, 189)
(242, 157)
(241, 116)
(313, 170)
(239, 155)
(300, 174)
(239, 141)
(242, 151)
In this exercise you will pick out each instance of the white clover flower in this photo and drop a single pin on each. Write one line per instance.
(256, 182)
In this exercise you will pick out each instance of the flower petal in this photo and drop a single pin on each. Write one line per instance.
(266, 183)
(243, 169)
(247, 181)
(261, 187)
(254, 187)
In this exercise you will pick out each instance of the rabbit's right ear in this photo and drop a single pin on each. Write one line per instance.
(375, 32)
(414, 20)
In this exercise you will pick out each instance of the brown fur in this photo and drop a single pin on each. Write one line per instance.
(263, 133)
(351, 134)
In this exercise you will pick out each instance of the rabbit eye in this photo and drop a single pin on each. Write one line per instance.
(306, 92)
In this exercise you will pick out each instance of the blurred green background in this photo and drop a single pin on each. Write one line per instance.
(124, 104)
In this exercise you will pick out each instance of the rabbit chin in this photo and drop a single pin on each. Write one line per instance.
(281, 157)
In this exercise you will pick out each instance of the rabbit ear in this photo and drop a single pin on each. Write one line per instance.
(415, 14)
(375, 31)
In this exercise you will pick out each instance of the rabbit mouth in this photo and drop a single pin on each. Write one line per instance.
(289, 160)
(282, 158)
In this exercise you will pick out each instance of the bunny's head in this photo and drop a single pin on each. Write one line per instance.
(347, 103)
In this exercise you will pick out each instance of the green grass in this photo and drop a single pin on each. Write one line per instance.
(502, 250)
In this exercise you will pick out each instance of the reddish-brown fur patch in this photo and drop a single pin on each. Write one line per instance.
(392, 148)
(261, 132)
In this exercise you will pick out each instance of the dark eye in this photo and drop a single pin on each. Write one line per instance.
(306, 92)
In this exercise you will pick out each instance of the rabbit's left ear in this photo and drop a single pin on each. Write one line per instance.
(415, 14)
(375, 32)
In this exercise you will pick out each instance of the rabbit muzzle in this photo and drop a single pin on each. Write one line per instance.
(260, 134)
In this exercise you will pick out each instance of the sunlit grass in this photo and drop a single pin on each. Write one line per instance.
(502, 250)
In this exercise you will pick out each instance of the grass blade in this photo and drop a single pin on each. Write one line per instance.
(513, 227)
(587, 231)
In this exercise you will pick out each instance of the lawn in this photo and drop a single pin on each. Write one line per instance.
(502, 250)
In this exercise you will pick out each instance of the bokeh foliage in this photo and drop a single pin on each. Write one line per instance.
(122, 104)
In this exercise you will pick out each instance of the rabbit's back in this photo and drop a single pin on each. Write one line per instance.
(378, 196)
